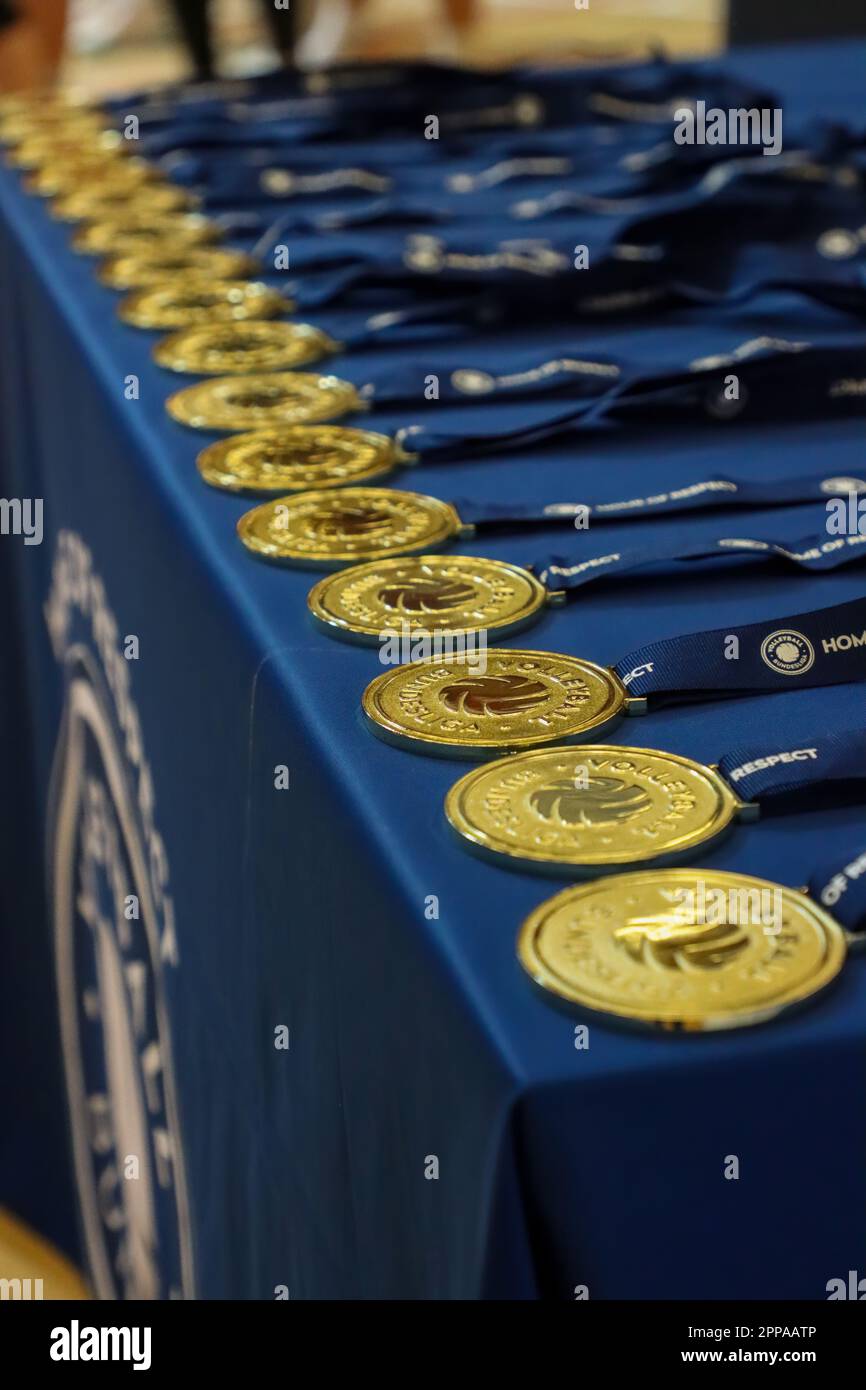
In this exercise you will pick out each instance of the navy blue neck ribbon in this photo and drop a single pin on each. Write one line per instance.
(839, 885)
(784, 777)
(816, 553)
(772, 378)
(826, 646)
(710, 494)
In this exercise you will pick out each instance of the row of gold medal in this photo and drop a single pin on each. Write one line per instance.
(619, 945)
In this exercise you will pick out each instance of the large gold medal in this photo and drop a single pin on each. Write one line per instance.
(176, 304)
(328, 529)
(578, 811)
(424, 595)
(520, 699)
(147, 268)
(131, 232)
(268, 399)
(296, 458)
(691, 950)
(242, 347)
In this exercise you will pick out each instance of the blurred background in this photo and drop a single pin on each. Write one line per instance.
(113, 45)
(100, 47)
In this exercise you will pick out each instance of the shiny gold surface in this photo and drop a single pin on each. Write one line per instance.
(521, 699)
(265, 400)
(427, 594)
(326, 529)
(296, 458)
(581, 810)
(178, 303)
(679, 949)
(137, 230)
(243, 348)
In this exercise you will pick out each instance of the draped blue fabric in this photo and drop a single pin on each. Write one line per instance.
(431, 1130)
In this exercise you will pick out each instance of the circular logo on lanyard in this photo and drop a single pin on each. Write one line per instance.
(788, 652)
(114, 945)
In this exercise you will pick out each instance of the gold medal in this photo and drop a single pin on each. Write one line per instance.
(51, 148)
(327, 529)
(137, 230)
(104, 203)
(242, 348)
(158, 266)
(230, 403)
(521, 700)
(682, 949)
(95, 171)
(41, 106)
(16, 127)
(270, 463)
(426, 594)
(174, 304)
(578, 811)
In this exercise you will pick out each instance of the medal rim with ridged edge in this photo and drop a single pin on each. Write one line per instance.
(385, 725)
(510, 619)
(557, 986)
(382, 456)
(443, 525)
(186, 405)
(717, 816)
(141, 270)
(292, 345)
(151, 308)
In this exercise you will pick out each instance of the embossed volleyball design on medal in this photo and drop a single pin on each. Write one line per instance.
(682, 949)
(175, 304)
(328, 529)
(254, 346)
(296, 458)
(590, 809)
(262, 400)
(428, 594)
(521, 700)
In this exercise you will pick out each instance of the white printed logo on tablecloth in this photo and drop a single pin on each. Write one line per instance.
(114, 948)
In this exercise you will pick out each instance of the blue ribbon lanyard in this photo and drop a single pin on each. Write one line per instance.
(782, 778)
(625, 93)
(826, 646)
(536, 274)
(711, 494)
(815, 553)
(772, 377)
(839, 885)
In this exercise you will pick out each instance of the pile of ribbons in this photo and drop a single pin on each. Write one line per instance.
(265, 229)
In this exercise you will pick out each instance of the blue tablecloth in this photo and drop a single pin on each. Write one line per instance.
(308, 1169)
